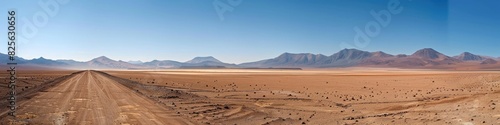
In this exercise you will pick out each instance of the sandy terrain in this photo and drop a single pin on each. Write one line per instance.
(351, 96)
(90, 98)
(249, 97)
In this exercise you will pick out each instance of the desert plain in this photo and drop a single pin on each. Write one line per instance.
(255, 96)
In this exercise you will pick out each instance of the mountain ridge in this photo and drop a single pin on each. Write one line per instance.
(467, 56)
(423, 58)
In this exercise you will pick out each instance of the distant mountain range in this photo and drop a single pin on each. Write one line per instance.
(424, 58)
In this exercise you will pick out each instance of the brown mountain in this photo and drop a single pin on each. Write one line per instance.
(343, 58)
(289, 60)
(107, 63)
(162, 64)
(203, 59)
(466, 56)
(428, 53)
(381, 54)
(426, 57)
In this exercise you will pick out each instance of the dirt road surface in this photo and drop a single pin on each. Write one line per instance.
(91, 98)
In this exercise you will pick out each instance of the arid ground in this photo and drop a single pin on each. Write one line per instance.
(258, 96)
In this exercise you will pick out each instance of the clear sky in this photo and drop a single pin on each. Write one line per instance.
(253, 30)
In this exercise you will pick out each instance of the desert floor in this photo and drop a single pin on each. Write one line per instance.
(251, 96)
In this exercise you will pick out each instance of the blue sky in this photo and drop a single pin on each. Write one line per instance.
(253, 30)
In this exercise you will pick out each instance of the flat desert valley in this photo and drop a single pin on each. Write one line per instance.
(256, 96)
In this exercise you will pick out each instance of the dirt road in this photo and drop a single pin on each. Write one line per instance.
(91, 98)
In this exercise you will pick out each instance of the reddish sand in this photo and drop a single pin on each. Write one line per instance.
(231, 96)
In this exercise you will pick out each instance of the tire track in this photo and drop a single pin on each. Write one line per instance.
(91, 98)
